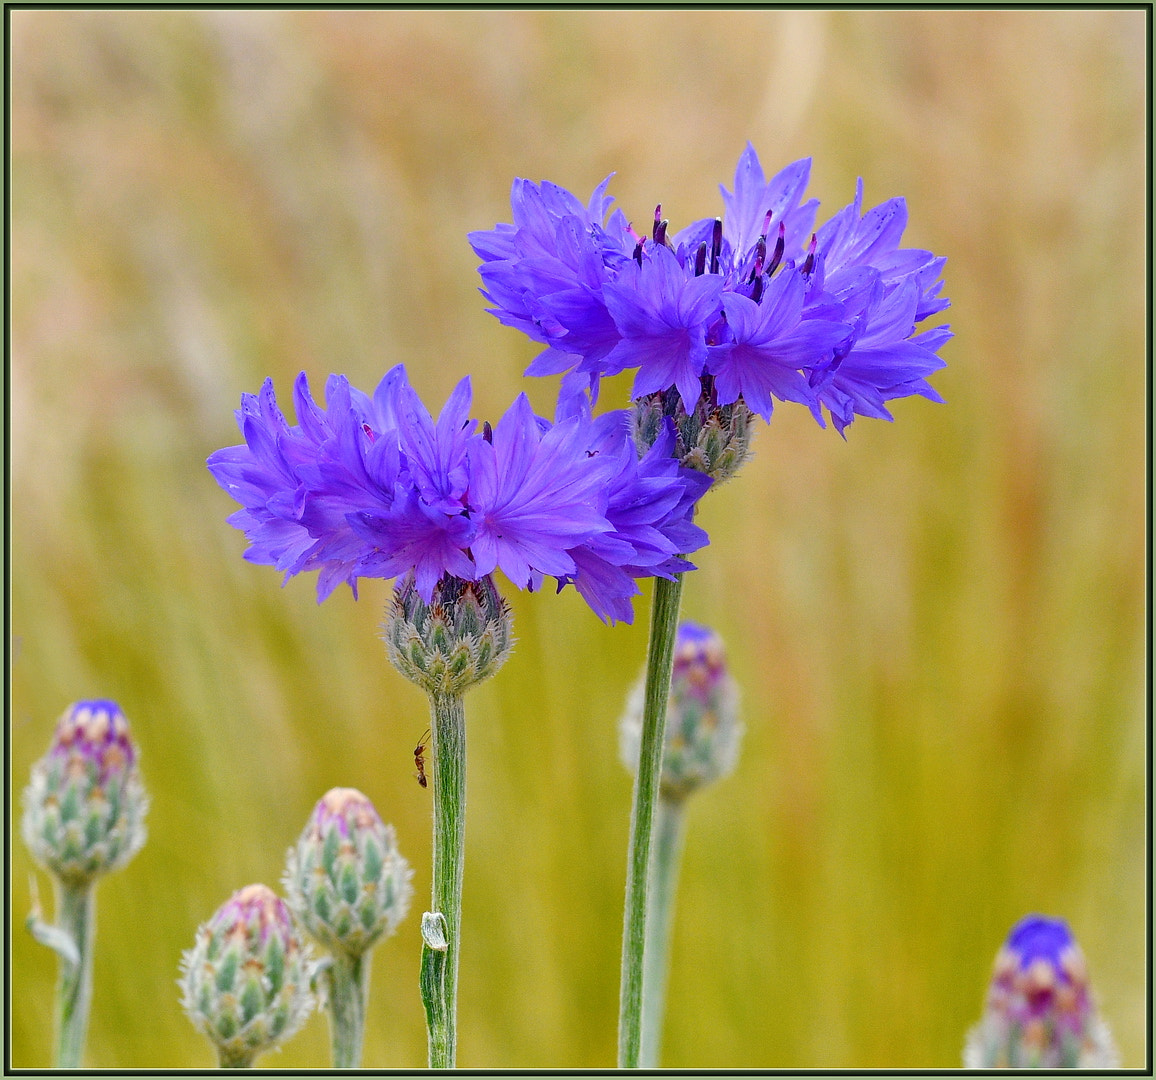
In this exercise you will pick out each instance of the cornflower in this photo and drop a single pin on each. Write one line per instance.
(751, 307)
(719, 320)
(371, 486)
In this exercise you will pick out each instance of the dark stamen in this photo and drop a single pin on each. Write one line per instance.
(809, 262)
(757, 291)
(715, 244)
(657, 220)
(700, 260)
(369, 432)
(660, 232)
(487, 432)
(638, 251)
(780, 246)
(760, 258)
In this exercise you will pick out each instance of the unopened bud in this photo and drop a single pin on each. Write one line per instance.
(85, 805)
(346, 881)
(1039, 1012)
(703, 729)
(246, 983)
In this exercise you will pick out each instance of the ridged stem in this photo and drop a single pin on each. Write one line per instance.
(76, 908)
(664, 867)
(348, 987)
(659, 662)
(449, 843)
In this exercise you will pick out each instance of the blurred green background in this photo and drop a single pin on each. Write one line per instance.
(938, 625)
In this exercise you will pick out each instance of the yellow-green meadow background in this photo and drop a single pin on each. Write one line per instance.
(938, 624)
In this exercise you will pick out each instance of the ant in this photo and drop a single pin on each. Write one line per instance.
(419, 758)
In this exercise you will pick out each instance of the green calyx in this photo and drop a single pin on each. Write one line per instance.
(712, 439)
(701, 746)
(78, 827)
(462, 636)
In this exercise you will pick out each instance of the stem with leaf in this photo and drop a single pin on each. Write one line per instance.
(71, 939)
(440, 959)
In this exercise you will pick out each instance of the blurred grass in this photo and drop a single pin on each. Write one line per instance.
(939, 624)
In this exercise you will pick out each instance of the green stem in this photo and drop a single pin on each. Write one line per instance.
(664, 867)
(449, 845)
(348, 988)
(659, 661)
(234, 1058)
(76, 915)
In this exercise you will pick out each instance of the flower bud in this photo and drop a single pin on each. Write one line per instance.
(1040, 1013)
(346, 881)
(713, 439)
(462, 636)
(245, 983)
(84, 807)
(703, 729)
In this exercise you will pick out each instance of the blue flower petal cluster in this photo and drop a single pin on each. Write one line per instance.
(754, 305)
(373, 486)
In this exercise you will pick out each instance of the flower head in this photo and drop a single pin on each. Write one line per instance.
(245, 983)
(1039, 1010)
(345, 879)
(751, 307)
(373, 486)
(84, 807)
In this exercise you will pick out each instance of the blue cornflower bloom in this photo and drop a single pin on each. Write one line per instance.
(745, 309)
(375, 487)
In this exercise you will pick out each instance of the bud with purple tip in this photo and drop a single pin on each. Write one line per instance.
(85, 805)
(84, 811)
(703, 729)
(245, 983)
(345, 880)
(1040, 1013)
(348, 886)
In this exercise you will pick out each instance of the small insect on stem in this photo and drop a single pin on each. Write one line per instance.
(419, 758)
